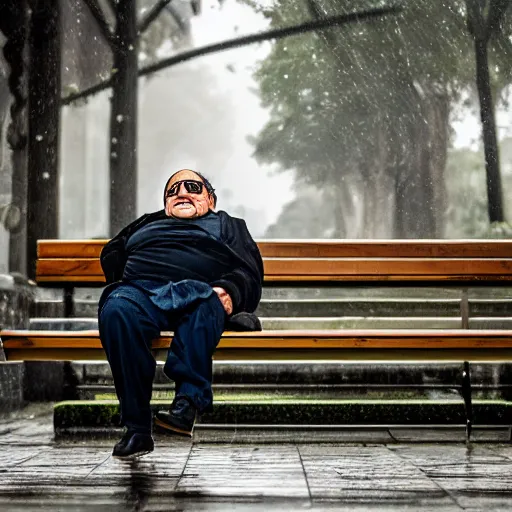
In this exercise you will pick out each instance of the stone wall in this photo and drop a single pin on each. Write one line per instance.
(16, 302)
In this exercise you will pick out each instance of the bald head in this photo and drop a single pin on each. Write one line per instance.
(182, 204)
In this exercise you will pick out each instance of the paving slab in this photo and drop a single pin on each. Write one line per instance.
(475, 476)
(362, 474)
(262, 471)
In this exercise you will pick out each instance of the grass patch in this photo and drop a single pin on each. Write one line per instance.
(303, 412)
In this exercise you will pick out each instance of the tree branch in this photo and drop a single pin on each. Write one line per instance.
(176, 17)
(303, 28)
(99, 16)
(152, 15)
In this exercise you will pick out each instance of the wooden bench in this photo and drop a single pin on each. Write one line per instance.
(460, 264)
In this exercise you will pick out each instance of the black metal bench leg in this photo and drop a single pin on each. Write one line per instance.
(466, 395)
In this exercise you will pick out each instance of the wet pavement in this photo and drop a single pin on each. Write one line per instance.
(37, 472)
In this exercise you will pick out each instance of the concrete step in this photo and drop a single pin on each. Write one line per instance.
(318, 434)
(359, 307)
(101, 415)
(261, 375)
(312, 373)
(63, 324)
(490, 307)
(337, 307)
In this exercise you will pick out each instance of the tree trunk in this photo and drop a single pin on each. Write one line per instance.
(44, 90)
(437, 114)
(492, 166)
(376, 195)
(413, 194)
(419, 155)
(13, 23)
(123, 120)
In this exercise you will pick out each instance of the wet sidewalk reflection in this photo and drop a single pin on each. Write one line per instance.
(36, 472)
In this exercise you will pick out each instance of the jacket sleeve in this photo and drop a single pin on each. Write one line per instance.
(113, 255)
(244, 283)
(113, 259)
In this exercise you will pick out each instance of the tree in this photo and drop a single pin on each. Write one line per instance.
(484, 19)
(44, 89)
(14, 25)
(364, 112)
(123, 194)
(124, 42)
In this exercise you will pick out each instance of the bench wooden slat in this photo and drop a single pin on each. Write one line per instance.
(327, 269)
(321, 248)
(412, 345)
(277, 339)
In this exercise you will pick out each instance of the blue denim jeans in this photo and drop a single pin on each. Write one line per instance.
(131, 316)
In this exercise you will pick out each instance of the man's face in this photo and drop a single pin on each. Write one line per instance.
(187, 205)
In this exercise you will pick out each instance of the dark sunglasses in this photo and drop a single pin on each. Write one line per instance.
(191, 186)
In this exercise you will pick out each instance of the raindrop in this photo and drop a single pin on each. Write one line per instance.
(119, 118)
(114, 140)
(46, 175)
(39, 138)
(113, 154)
(285, 76)
(130, 47)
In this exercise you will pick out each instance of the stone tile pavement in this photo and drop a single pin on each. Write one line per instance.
(37, 472)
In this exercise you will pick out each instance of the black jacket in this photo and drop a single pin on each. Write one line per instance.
(243, 283)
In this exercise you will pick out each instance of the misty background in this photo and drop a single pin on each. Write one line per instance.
(364, 131)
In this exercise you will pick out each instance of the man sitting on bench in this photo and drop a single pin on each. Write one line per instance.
(185, 268)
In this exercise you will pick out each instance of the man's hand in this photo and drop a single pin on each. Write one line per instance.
(225, 299)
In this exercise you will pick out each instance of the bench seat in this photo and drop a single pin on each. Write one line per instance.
(311, 263)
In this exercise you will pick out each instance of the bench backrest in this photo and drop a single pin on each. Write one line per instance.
(320, 261)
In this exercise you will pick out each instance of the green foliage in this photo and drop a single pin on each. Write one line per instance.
(327, 91)
(372, 100)
(498, 230)
(467, 216)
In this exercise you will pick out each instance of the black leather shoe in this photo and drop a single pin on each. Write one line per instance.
(133, 444)
(179, 419)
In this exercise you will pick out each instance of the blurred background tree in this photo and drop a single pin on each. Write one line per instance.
(362, 113)
(132, 32)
